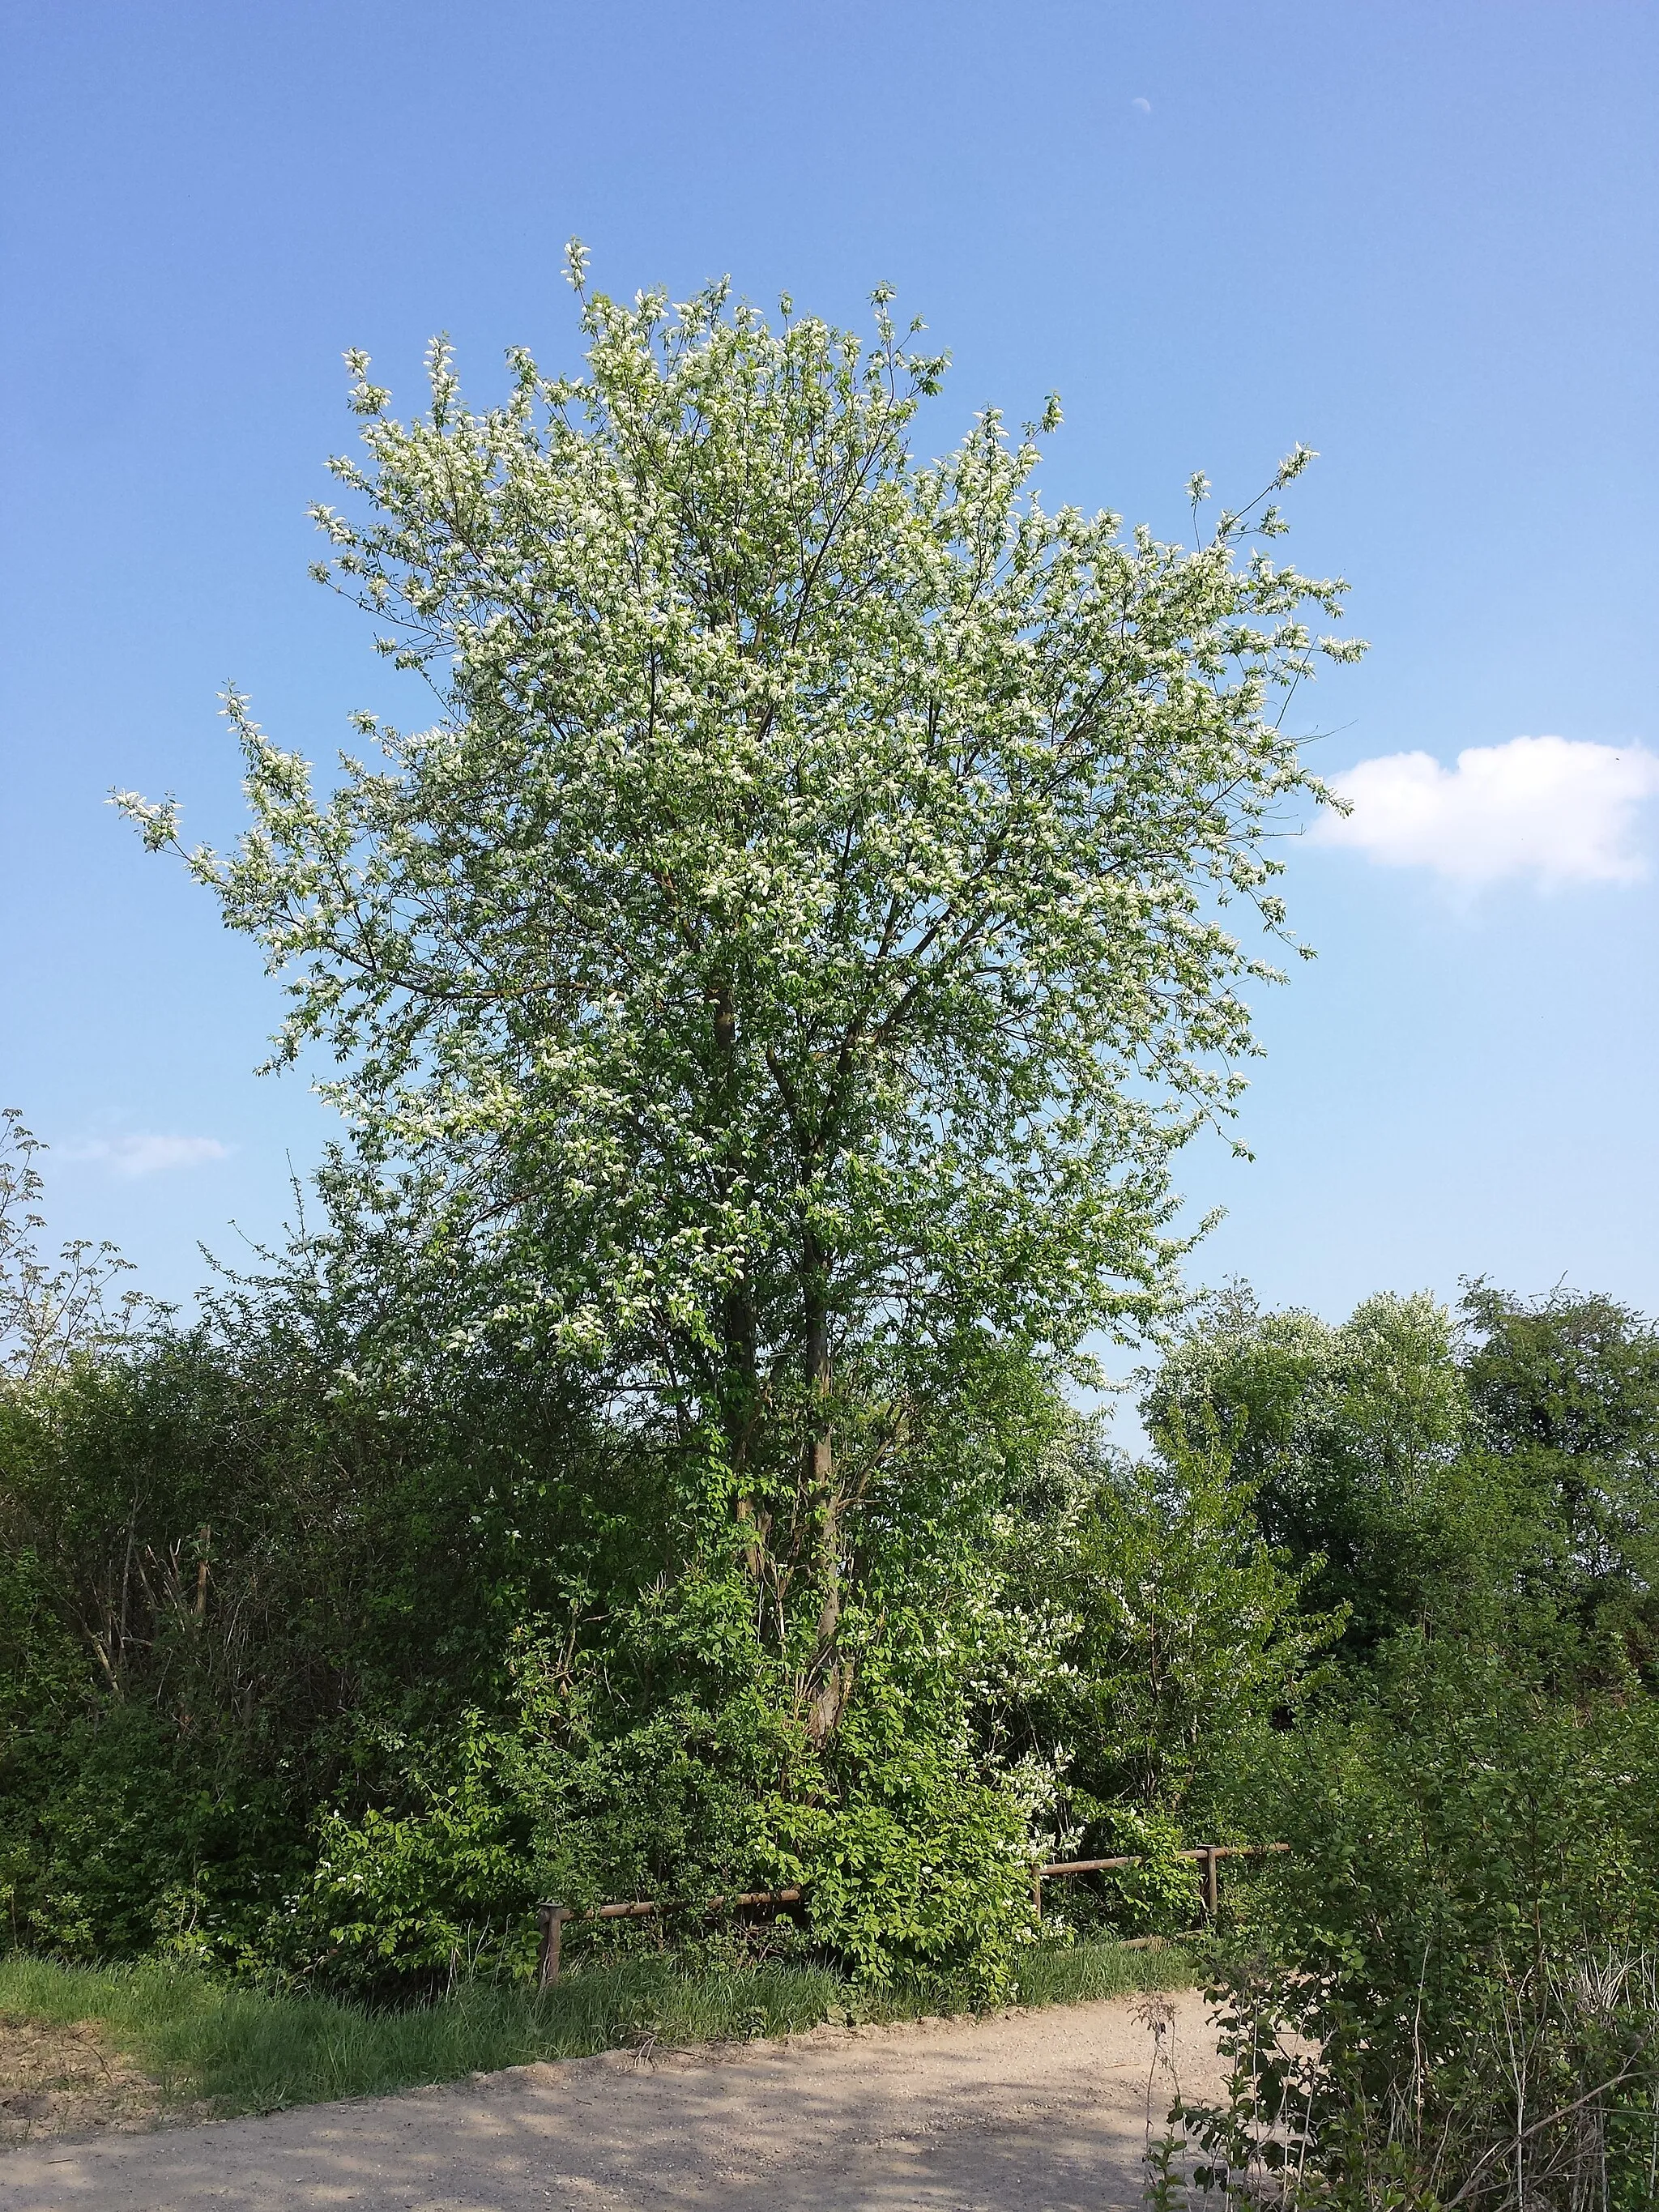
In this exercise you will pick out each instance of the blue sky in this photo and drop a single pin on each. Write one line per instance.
(1420, 238)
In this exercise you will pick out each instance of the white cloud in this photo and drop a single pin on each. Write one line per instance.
(1558, 809)
(144, 1155)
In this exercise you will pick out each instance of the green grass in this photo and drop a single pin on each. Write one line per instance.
(1101, 1968)
(250, 2051)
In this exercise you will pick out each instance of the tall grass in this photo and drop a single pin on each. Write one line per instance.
(1079, 1972)
(247, 2051)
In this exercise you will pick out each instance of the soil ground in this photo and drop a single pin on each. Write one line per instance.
(1027, 2111)
(66, 2081)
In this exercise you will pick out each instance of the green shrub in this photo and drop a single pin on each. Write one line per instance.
(1450, 1984)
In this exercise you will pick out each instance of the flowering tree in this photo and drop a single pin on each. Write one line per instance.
(786, 965)
(51, 1311)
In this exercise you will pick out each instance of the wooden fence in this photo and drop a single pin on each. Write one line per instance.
(554, 1917)
(1208, 1854)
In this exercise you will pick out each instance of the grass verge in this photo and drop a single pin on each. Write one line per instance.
(249, 2051)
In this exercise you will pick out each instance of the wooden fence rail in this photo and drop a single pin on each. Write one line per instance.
(1208, 1854)
(553, 1917)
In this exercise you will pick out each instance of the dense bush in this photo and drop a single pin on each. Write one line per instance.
(1449, 1992)
(309, 1674)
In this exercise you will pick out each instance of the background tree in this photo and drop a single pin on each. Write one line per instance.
(1351, 1440)
(1493, 1476)
(1564, 1397)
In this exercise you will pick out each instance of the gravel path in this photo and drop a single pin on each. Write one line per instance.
(1031, 2112)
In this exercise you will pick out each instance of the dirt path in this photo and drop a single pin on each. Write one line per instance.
(1035, 2112)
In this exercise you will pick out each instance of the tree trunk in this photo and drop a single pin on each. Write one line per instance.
(738, 1393)
(828, 1673)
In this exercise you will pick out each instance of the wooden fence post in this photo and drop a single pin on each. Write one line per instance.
(553, 1918)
